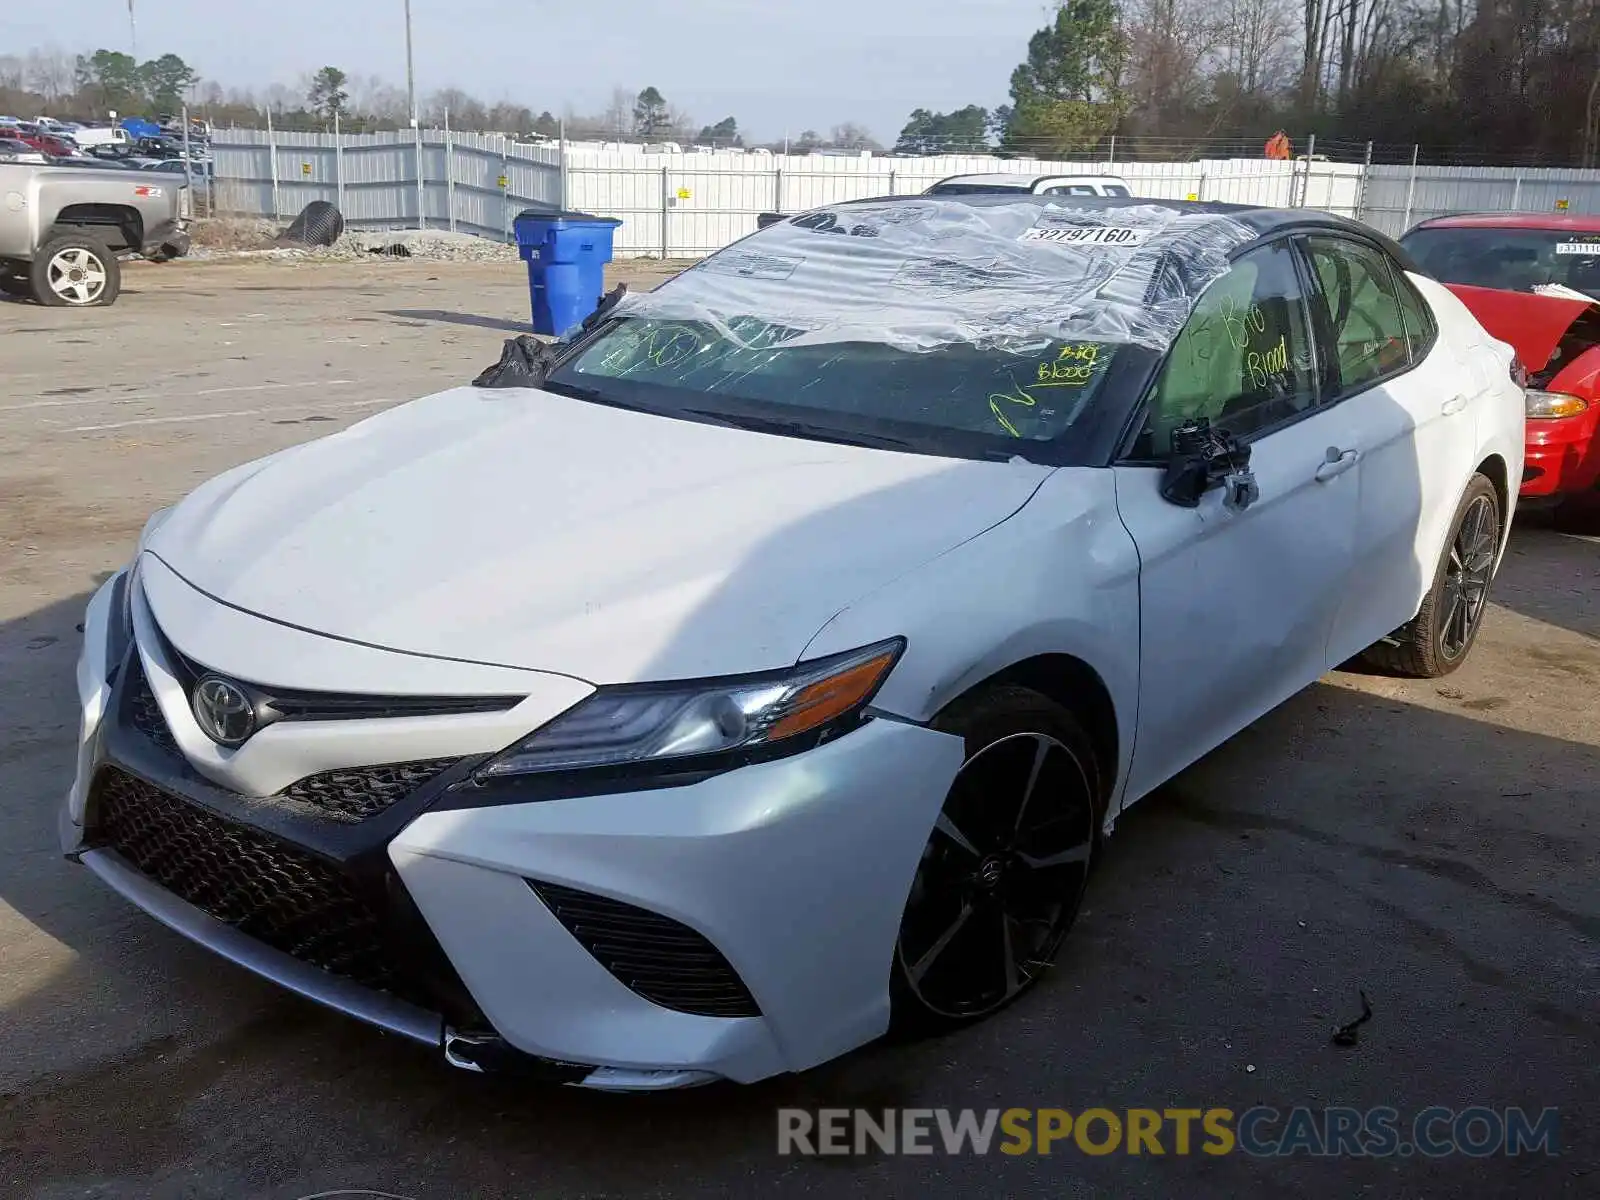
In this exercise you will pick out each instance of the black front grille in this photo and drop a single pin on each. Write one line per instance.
(663, 961)
(347, 795)
(144, 710)
(265, 889)
(356, 793)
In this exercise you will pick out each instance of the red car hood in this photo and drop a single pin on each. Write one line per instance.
(1532, 324)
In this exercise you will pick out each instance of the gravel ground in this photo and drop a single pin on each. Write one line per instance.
(1435, 844)
(241, 238)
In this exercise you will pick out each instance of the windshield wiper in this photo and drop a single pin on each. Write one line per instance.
(789, 428)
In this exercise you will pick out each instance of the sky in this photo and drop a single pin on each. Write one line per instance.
(777, 66)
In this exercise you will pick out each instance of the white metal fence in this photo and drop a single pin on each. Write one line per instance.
(689, 205)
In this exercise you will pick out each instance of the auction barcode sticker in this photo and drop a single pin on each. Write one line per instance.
(1086, 235)
(753, 265)
(1592, 247)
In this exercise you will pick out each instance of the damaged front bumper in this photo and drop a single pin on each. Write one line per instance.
(756, 909)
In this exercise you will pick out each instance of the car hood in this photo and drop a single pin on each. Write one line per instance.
(526, 529)
(1533, 325)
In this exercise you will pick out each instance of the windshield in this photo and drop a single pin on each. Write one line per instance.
(1515, 260)
(967, 328)
(958, 398)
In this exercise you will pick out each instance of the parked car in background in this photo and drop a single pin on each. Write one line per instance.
(1533, 280)
(1035, 185)
(50, 144)
(17, 151)
(949, 528)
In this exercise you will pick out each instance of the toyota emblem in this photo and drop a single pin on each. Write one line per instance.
(224, 711)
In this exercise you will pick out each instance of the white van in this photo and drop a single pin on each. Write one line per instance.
(1034, 185)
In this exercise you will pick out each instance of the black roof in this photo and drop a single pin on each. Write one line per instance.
(1264, 221)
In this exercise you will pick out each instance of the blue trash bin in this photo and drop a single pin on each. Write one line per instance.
(566, 253)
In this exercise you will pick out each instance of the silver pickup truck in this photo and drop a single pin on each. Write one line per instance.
(62, 229)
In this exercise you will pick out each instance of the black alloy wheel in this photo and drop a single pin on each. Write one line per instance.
(1003, 872)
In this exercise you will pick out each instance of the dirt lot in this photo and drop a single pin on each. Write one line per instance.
(1434, 845)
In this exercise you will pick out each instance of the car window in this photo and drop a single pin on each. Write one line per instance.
(1116, 189)
(1418, 317)
(1245, 359)
(1072, 189)
(1358, 290)
(1517, 260)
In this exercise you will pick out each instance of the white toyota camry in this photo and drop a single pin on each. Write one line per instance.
(768, 676)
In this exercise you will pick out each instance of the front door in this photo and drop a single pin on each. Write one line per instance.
(1236, 604)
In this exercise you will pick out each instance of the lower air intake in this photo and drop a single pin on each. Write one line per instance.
(667, 963)
(278, 895)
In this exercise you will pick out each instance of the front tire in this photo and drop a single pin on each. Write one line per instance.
(1003, 873)
(75, 271)
(1437, 640)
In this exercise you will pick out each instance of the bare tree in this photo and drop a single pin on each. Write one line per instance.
(1254, 42)
(52, 74)
(1169, 41)
(851, 136)
(618, 118)
(280, 98)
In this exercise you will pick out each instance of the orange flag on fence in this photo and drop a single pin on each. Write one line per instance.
(1278, 146)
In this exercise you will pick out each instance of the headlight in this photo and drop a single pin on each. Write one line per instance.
(1547, 406)
(781, 711)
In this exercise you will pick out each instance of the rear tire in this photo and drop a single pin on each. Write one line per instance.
(1437, 640)
(1003, 873)
(74, 270)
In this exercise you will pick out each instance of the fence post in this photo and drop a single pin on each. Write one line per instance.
(449, 172)
(1411, 191)
(505, 192)
(272, 158)
(1111, 154)
(892, 192)
(422, 207)
(188, 172)
(1305, 185)
(777, 190)
(1516, 194)
(338, 161)
(1200, 188)
(1361, 191)
(566, 193)
(666, 185)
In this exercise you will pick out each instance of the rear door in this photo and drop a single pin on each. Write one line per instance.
(1236, 604)
(1407, 412)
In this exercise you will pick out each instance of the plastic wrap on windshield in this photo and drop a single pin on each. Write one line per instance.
(920, 274)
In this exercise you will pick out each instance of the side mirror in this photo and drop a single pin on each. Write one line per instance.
(1203, 458)
(765, 219)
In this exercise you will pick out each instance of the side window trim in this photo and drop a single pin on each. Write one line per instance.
(1329, 383)
(1336, 237)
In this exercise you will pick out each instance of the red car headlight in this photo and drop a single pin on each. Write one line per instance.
(1550, 406)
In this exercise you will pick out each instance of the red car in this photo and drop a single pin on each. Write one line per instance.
(1533, 280)
(48, 143)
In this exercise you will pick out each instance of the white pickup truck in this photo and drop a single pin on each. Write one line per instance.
(62, 229)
